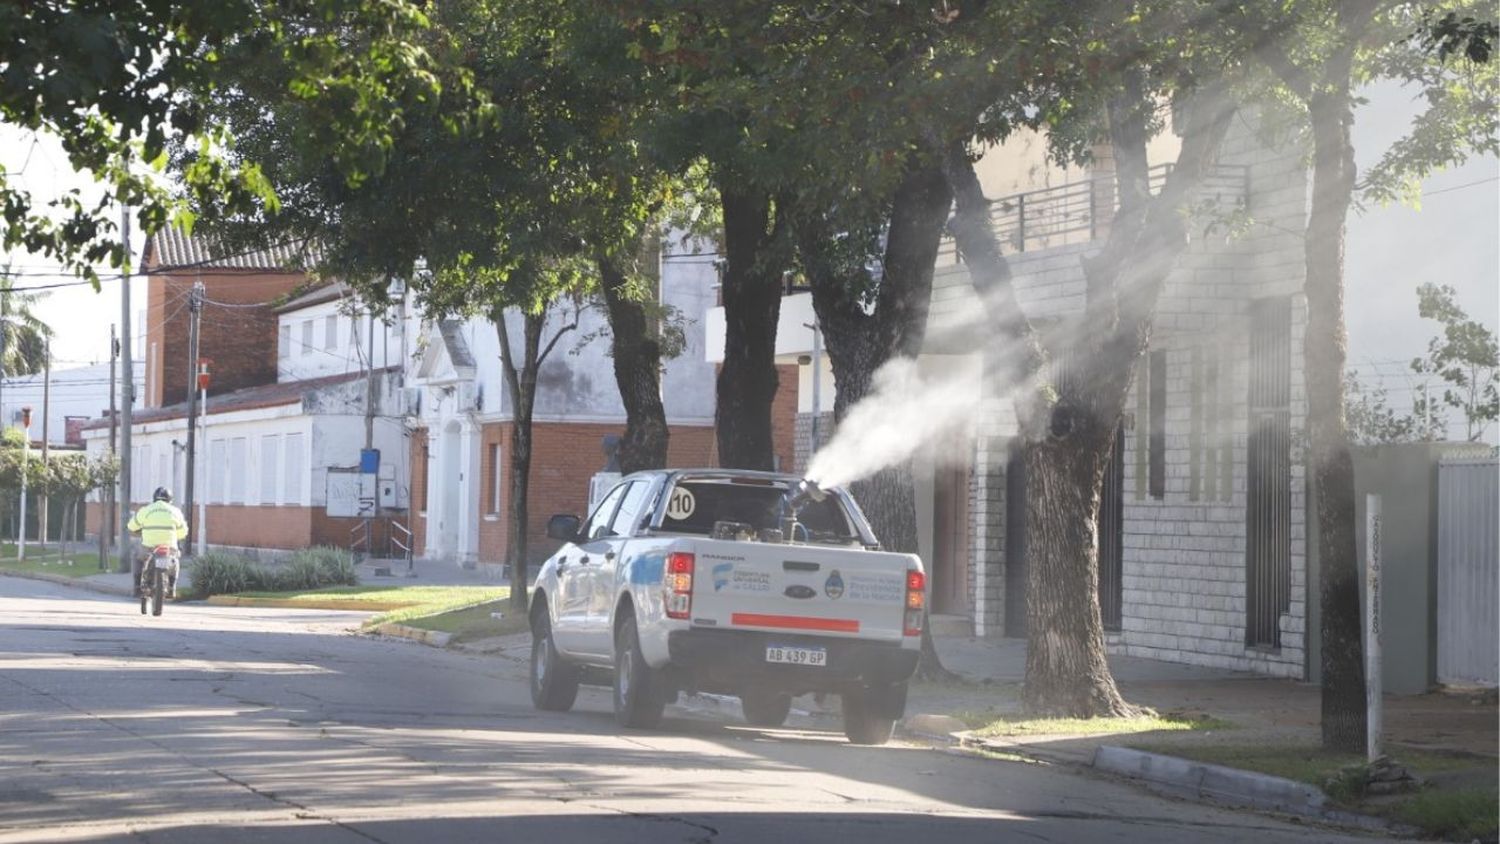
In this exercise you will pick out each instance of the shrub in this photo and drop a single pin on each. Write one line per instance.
(313, 568)
(217, 573)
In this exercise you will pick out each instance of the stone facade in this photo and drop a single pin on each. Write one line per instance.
(1184, 558)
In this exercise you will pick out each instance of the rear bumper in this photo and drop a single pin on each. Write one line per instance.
(727, 661)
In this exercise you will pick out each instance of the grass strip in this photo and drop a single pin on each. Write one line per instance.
(1001, 724)
(474, 622)
(49, 560)
(1459, 813)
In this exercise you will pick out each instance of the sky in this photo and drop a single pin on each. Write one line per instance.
(1453, 239)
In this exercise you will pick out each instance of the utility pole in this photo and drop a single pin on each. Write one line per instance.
(202, 385)
(41, 507)
(195, 310)
(127, 392)
(107, 514)
(370, 387)
(25, 470)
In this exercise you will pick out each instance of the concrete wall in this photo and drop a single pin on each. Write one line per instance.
(78, 392)
(330, 339)
(1405, 476)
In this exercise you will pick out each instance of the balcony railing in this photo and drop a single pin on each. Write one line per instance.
(1080, 212)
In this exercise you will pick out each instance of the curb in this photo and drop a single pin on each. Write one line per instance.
(435, 638)
(76, 582)
(942, 728)
(280, 604)
(1203, 781)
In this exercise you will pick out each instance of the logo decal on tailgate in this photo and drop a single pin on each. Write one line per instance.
(833, 587)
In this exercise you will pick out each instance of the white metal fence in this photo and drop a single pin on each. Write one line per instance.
(1468, 548)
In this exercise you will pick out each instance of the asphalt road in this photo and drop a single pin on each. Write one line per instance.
(241, 725)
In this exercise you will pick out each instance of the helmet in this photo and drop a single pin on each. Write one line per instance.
(161, 494)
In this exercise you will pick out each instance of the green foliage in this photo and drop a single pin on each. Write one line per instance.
(1372, 421)
(322, 565)
(1467, 359)
(118, 83)
(218, 573)
(23, 335)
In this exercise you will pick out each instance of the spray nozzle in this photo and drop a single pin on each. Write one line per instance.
(803, 492)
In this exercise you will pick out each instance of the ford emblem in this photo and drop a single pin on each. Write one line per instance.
(800, 592)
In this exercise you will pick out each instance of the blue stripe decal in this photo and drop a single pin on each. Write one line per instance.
(646, 569)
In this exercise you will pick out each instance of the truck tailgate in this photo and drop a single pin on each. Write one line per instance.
(803, 589)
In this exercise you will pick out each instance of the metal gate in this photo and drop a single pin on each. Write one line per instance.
(1112, 535)
(1468, 575)
(1268, 487)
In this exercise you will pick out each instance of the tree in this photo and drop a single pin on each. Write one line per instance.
(1320, 52)
(23, 335)
(1372, 421)
(1465, 356)
(109, 81)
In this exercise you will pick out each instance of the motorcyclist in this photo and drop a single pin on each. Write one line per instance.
(158, 523)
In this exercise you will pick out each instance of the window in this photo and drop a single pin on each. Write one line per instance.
(237, 448)
(698, 505)
(331, 332)
(598, 524)
(307, 340)
(270, 462)
(284, 342)
(1157, 446)
(215, 471)
(632, 507)
(492, 471)
(292, 479)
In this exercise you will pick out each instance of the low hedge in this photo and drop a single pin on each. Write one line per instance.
(221, 573)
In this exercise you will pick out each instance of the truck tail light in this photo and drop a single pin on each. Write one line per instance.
(916, 602)
(678, 585)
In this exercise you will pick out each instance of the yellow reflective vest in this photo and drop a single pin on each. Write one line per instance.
(159, 523)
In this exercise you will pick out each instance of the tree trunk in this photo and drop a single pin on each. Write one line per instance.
(637, 361)
(1068, 431)
(1343, 694)
(521, 384)
(1067, 674)
(859, 343)
(752, 305)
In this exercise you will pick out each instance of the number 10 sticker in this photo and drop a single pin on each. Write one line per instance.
(682, 503)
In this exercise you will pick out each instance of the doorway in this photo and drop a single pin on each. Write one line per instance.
(950, 541)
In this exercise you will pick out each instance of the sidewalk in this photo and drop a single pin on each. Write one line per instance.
(422, 573)
(1264, 710)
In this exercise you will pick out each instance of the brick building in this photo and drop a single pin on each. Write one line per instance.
(239, 320)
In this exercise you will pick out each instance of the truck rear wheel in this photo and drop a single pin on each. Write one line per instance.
(554, 683)
(639, 697)
(766, 709)
(870, 713)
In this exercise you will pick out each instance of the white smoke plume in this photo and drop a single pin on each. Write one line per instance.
(907, 410)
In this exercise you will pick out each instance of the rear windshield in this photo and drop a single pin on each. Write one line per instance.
(696, 505)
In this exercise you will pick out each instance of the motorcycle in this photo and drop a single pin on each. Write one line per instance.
(158, 567)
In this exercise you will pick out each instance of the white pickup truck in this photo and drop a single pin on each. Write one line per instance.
(733, 582)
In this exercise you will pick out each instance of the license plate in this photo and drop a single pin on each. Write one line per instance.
(813, 657)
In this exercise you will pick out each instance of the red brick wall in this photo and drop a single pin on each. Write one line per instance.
(564, 456)
(784, 417)
(253, 526)
(241, 342)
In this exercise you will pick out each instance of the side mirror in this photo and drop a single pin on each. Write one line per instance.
(563, 528)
